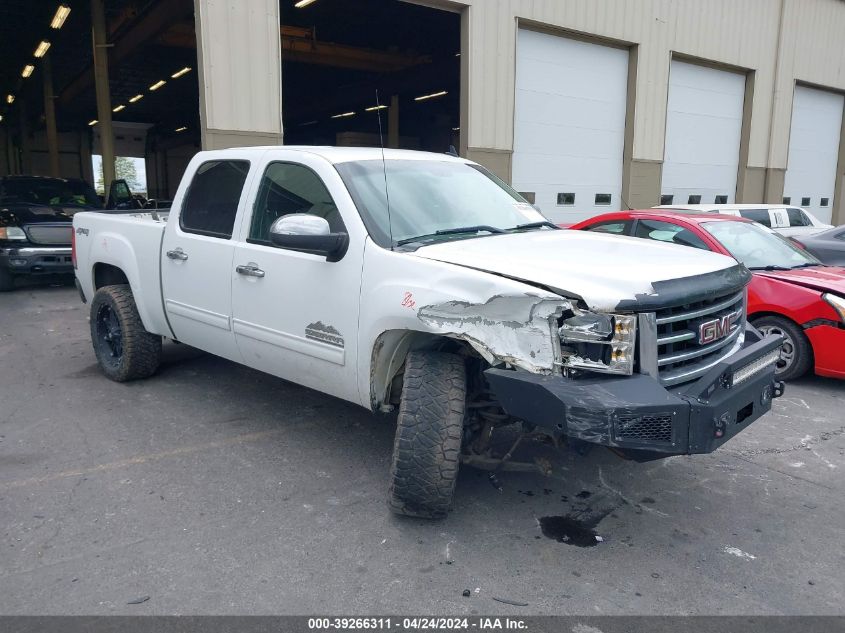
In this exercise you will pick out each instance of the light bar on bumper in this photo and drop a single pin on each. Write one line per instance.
(755, 367)
(602, 343)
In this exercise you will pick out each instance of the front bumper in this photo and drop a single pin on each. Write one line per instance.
(37, 260)
(638, 416)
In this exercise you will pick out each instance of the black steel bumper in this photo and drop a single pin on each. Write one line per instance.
(37, 260)
(640, 418)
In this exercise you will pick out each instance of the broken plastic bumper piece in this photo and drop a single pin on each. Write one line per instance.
(639, 417)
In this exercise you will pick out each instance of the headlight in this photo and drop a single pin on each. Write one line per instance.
(837, 303)
(599, 342)
(12, 233)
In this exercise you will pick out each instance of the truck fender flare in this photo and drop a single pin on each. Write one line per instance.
(115, 251)
(388, 356)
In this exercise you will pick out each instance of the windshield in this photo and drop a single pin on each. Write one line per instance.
(431, 196)
(48, 192)
(758, 247)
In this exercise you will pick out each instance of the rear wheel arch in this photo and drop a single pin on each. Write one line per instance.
(108, 275)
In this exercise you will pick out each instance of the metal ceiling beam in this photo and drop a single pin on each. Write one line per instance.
(143, 29)
(301, 45)
(429, 78)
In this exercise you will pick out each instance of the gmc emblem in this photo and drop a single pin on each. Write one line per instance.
(712, 331)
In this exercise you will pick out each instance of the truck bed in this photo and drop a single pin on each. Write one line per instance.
(130, 242)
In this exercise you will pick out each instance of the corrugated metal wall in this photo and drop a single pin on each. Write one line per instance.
(738, 33)
(238, 48)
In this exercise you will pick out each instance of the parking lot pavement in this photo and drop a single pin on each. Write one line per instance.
(212, 488)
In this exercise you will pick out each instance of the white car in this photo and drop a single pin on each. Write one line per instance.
(786, 220)
(421, 281)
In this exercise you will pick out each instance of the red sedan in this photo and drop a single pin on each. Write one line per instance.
(792, 293)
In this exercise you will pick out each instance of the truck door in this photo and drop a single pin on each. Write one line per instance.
(197, 252)
(295, 314)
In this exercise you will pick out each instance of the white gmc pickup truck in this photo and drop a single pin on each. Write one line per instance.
(422, 281)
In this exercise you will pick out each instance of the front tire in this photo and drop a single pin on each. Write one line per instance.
(796, 353)
(429, 430)
(124, 349)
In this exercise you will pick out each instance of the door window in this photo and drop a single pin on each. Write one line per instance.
(798, 218)
(615, 227)
(211, 203)
(290, 188)
(758, 215)
(668, 232)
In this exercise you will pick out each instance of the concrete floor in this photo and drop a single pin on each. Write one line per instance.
(214, 489)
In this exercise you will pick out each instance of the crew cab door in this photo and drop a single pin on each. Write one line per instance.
(197, 254)
(295, 314)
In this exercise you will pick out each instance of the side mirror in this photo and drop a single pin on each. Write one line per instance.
(120, 196)
(308, 234)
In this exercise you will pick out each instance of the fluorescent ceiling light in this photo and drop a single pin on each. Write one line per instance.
(10, 99)
(378, 107)
(136, 98)
(61, 15)
(344, 115)
(27, 70)
(92, 122)
(179, 73)
(180, 129)
(433, 95)
(303, 3)
(43, 46)
(118, 108)
(158, 84)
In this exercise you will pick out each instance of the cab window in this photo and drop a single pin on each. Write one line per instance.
(668, 232)
(615, 227)
(211, 203)
(798, 218)
(290, 188)
(757, 215)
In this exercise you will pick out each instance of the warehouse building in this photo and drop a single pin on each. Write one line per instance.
(585, 106)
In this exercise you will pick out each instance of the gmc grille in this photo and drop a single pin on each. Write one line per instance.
(49, 234)
(691, 339)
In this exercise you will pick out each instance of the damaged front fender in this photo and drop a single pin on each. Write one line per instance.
(518, 330)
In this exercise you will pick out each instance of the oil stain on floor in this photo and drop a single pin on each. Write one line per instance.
(569, 530)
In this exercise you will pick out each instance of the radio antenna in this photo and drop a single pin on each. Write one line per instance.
(384, 169)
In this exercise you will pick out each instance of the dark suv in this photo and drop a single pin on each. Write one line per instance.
(35, 224)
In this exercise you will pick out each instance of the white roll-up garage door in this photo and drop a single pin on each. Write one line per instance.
(569, 125)
(703, 131)
(814, 150)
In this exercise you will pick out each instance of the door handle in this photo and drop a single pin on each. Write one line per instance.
(249, 270)
(177, 254)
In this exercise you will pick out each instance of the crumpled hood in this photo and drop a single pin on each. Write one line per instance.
(604, 270)
(823, 278)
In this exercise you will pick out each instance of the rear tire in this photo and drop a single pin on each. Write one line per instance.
(124, 349)
(429, 430)
(7, 280)
(796, 353)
